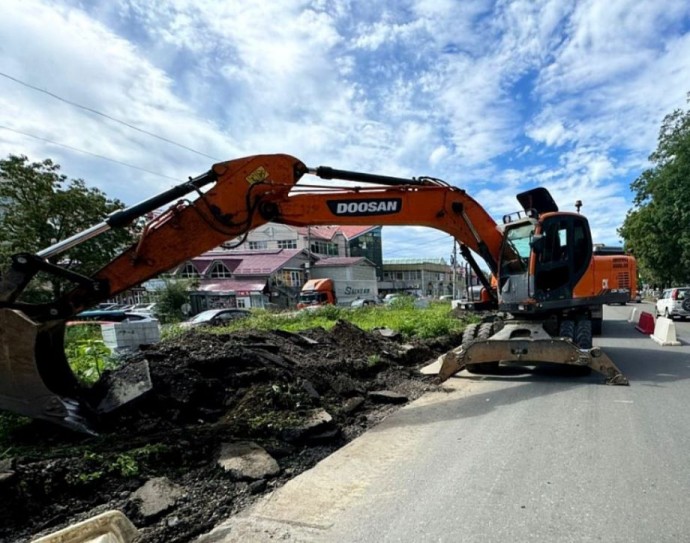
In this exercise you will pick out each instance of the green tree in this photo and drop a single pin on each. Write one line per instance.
(171, 298)
(39, 207)
(657, 230)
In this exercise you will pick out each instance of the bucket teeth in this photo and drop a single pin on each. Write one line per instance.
(451, 363)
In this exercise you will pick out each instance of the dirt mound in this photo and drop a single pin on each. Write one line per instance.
(298, 397)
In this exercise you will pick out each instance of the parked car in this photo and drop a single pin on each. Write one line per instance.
(674, 302)
(390, 298)
(365, 302)
(216, 317)
(143, 308)
(108, 315)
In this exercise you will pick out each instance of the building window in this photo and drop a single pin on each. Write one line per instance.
(324, 248)
(253, 245)
(189, 271)
(219, 271)
(291, 278)
(287, 244)
(241, 302)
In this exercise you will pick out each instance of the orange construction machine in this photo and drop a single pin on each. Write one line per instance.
(548, 282)
(317, 293)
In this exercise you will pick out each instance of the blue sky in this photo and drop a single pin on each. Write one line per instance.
(493, 97)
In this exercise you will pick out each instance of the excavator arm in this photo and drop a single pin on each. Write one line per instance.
(241, 195)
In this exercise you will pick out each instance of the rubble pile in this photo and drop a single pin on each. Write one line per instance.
(229, 418)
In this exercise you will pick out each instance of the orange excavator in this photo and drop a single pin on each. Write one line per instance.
(548, 283)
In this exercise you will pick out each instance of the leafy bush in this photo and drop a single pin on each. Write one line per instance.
(86, 353)
(171, 298)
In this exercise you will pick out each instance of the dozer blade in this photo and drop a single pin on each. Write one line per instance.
(538, 348)
(36, 380)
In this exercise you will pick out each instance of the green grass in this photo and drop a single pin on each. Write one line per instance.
(436, 320)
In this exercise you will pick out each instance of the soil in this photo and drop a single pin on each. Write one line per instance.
(209, 390)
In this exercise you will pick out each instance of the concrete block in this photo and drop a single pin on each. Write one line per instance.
(108, 527)
(665, 332)
(130, 335)
(634, 316)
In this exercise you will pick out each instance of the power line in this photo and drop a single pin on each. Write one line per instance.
(87, 152)
(96, 112)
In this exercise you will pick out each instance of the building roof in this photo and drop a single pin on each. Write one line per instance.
(340, 261)
(393, 261)
(231, 285)
(203, 264)
(317, 232)
(328, 232)
(262, 262)
(351, 231)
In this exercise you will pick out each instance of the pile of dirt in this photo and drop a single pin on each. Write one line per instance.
(229, 418)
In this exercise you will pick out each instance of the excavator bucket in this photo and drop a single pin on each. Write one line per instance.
(36, 380)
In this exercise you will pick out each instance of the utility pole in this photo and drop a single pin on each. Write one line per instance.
(307, 271)
(455, 267)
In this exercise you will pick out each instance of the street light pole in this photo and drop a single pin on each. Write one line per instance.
(455, 267)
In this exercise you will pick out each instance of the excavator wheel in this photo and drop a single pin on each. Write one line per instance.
(567, 329)
(483, 331)
(469, 334)
(583, 339)
(583, 334)
(580, 332)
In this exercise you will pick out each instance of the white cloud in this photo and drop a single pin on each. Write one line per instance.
(493, 97)
(551, 134)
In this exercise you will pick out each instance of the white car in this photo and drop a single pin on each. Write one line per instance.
(674, 302)
(216, 317)
(143, 308)
(365, 302)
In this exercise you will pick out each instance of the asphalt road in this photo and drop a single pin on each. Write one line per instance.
(522, 457)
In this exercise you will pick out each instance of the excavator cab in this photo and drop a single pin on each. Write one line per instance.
(543, 260)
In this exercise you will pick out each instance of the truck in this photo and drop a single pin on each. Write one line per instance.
(548, 284)
(317, 293)
(325, 291)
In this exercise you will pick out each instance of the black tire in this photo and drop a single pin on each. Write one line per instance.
(469, 334)
(583, 334)
(597, 326)
(582, 337)
(567, 329)
(484, 331)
